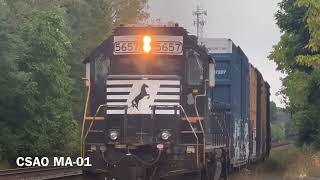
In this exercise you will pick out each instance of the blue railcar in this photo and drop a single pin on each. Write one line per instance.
(232, 94)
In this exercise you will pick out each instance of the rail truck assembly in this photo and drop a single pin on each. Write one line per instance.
(162, 104)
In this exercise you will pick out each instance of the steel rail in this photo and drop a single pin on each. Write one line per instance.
(275, 145)
(39, 173)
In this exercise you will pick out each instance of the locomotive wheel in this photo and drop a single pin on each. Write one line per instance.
(215, 171)
(225, 169)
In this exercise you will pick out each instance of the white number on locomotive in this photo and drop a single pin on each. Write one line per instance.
(165, 47)
(168, 45)
(126, 47)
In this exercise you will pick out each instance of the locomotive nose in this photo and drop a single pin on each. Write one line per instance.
(142, 108)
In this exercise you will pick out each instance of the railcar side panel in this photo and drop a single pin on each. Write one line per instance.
(263, 118)
(232, 94)
(259, 115)
(268, 120)
(253, 111)
(244, 124)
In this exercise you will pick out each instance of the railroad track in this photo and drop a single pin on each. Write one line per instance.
(51, 172)
(274, 145)
(39, 173)
(281, 146)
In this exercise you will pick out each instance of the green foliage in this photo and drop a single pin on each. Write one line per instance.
(128, 12)
(280, 160)
(286, 122)
(281, 123)
(15, 86)
(89, 23)
(36, 116)
(42, 46)
(297, 55)
(273, 111)
(287, 163)
(45, 60)
(278, 132)
(313, 22)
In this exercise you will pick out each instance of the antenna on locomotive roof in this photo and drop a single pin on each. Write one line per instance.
(199, 21)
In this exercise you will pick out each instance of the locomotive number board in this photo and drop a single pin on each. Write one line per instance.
(161, 45)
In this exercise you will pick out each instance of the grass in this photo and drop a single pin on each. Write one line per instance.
(284, 164)
(279, 160)
(310, 161)
(4, 165)
(292, 162)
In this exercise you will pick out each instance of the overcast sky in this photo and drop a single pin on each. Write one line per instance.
(249, 23)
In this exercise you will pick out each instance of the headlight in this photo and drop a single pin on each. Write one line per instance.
(113, 135)
(165, 135)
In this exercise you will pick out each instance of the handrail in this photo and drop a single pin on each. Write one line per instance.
(84, 138)
(201, 126)
(84, 117)
(194, 133)
(190, 124)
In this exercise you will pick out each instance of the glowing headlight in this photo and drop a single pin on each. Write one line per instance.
(165, 135)
(113, 135)
(146, 44)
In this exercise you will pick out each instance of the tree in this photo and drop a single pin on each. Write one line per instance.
(273, 111)
(128, 12)
(277, 132)
(42, 46)
(15, 86)
(90, 23)
(51, 128)
(36, 117)
(281, 123)
(297, 55)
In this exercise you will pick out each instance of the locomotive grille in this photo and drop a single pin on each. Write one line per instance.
(140, 95)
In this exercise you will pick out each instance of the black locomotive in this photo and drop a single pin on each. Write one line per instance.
(150, 111)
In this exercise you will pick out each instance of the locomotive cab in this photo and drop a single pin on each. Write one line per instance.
(149, 107)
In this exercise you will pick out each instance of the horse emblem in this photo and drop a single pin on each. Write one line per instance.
(143, 93)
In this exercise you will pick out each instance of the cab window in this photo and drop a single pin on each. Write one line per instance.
(102, 66)
(195, 68)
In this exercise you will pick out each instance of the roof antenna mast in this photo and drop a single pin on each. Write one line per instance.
(199, 20)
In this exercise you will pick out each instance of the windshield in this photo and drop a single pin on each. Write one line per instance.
(157, 66)
(195, 69)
